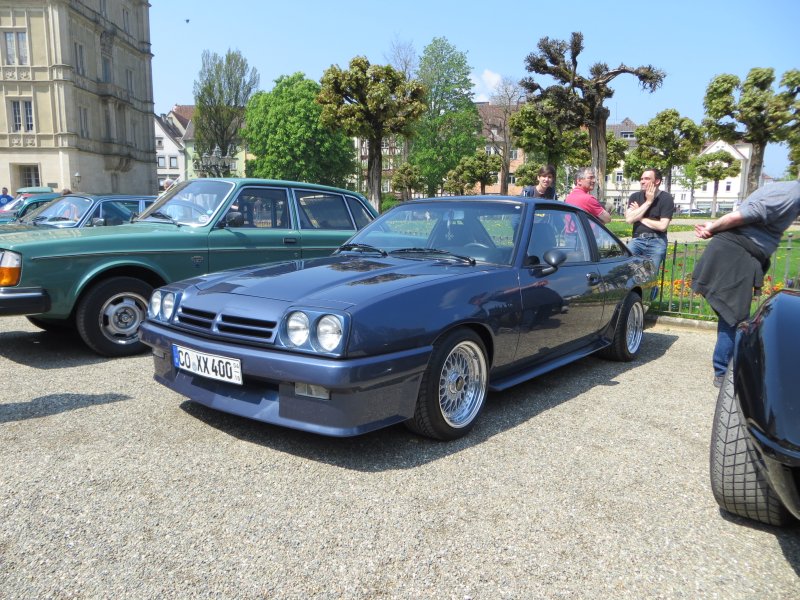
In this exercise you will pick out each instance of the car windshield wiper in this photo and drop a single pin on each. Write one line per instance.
(363, 248)
(436, 251)
(163, 217)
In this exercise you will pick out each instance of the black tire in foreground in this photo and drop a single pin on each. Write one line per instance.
(454, 387)
(628, 333)
(737, 482)
(109, 315)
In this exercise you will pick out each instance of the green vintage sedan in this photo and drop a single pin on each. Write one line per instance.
(98, 280)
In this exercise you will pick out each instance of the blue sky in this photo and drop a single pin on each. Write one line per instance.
(691, 41)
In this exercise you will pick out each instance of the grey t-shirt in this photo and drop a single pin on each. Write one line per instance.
(768, 212)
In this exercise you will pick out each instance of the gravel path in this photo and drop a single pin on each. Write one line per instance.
(590, 482)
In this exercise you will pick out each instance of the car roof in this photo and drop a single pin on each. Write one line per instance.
(487, 198)
(301, 184)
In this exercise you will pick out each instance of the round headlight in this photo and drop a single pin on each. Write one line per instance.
(168, 305)
(155, 304)
(329, 332)
(297, 328)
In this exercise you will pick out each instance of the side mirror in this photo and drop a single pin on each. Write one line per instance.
(233, 219)
(97, 222)
(553, 259)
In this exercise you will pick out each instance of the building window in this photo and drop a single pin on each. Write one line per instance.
(619, 177)
(727, 186)
(705, 187)
(159, 143)
(16, 48)
(129, 81)
(80, 63)
(30, 176)
(21, 115)
(107, 72)
(126, 20)
(627, 135)
(83, 116)
(162, 162)
(514, 154)
(512, 179)
(104, 8)
(173, 162)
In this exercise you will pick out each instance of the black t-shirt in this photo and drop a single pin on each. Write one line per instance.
(663, 206)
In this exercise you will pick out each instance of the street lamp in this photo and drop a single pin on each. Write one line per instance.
(214, 164)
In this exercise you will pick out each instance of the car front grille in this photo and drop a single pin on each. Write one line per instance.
(222, 326)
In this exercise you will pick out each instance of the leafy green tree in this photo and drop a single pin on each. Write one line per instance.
(690, 178)
(480, 169)
(371, 102)
(751, 111)
(547, 135)
(221, 92)
(407, 179)
(284, 132)
(449, 128)
(454, 183)
(617, 149)
(668, 140)
(715, 167)
(580, 99)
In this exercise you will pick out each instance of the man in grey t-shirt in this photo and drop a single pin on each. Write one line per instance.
(738, 256)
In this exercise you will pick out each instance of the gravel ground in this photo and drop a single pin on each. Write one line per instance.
(590, 482)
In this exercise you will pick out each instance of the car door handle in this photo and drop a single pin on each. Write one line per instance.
(289, 240)
(594, 278)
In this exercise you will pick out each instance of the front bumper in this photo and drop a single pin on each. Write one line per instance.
(365, 393)
(23, 301)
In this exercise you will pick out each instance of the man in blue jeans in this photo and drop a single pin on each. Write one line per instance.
(650, 211)
(735, 260)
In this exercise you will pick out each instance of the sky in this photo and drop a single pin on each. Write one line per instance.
(692, 41)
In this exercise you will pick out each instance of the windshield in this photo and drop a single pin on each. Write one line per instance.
(12, 206)
(484, 231)
(192, 202)
(61, 212)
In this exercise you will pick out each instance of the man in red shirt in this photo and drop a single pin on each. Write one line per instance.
(580, 196)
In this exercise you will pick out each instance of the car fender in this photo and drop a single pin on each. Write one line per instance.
(765, 374)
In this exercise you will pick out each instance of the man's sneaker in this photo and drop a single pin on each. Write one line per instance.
(718, 380)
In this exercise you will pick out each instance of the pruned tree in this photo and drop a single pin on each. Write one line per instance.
(371, 102)
(581, 99)
(450, 127)
(716, 166)
(284, 132)
(668, 140)
(504, 104)
(545, 132)
(407, 179)
(480, 169)
(221, 93)
(751, 111)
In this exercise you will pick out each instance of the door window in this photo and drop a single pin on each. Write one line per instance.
(264, 208)
(323, 210)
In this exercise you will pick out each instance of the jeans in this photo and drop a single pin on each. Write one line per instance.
(723, 350)
(654, 248)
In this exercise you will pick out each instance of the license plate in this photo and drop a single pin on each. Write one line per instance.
(207, 365)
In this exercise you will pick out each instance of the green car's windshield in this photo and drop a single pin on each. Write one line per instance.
(193, 203)
(66, 211)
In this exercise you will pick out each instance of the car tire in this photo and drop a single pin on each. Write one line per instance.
(55, 325)
(737, 482)
(453, 388)
(628, 333)
(109, 315)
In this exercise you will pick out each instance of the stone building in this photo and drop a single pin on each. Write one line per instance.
(77, 108)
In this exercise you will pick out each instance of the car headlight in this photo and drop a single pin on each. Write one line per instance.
(162, 305)
(329, 332)
(154, 309)
(297, 328)
(10, 268)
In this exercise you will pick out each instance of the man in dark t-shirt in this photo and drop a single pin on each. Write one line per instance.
(650, 211)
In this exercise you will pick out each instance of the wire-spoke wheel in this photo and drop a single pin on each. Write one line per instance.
(454, 387)
(628, 332)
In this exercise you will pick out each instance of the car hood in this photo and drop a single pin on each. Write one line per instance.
(8, 226)
(335, 281)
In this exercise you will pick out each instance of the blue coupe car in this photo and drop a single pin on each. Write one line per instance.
(415, 319)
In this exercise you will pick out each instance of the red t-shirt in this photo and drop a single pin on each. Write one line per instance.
(582, 199)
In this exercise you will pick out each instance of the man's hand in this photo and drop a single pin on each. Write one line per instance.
(649, 192)
(703, 231)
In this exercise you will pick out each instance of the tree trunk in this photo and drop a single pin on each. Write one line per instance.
(714, 200)
(505, 167)
(374, 171)
(597, 137)
(668, 180)
(756, 164)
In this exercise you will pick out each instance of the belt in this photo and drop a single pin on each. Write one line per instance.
(650, 235)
